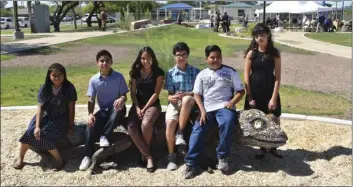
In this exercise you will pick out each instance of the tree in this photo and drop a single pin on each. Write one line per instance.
(6, 12)
(62, 8)
(96, 6)
(30, 18)
(3, 4)
(15, 16)
(249, 2)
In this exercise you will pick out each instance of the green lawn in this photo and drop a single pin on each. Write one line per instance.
(65, 28)
(344, 39)
(19, 86)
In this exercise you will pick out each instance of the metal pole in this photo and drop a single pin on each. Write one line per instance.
(200, 12)
(342, 11)
(264, 13)
(15, 16)
(336, 9)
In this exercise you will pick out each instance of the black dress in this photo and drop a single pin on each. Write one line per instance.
(54, 123)
(262, 82)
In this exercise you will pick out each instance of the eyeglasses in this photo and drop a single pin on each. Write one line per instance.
(179, 56)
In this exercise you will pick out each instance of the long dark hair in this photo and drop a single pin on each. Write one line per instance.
(262, 28)
(137, 65)
(47, 87)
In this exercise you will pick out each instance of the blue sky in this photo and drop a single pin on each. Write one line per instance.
(346, 3)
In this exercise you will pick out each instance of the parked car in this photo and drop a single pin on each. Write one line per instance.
(23, 22)
(67, 18)
(93, 18)
(111, 19)
(6, 23)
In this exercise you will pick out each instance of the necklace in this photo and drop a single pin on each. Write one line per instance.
(264, 56)
(145, 75)
(55, 90)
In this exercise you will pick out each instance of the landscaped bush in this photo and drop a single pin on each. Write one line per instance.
(126, 20)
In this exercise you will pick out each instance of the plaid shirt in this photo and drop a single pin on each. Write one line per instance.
(177, 80)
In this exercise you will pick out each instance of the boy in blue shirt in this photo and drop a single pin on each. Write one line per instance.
(110, 89)
(179, 83)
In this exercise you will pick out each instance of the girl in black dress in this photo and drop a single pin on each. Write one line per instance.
(146, 80)
(262, 76)
(55, 116)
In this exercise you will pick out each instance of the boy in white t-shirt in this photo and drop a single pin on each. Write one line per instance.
(214, 94)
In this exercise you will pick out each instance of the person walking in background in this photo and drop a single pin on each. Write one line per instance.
(104, 18)
(217, 20)
(212, 21)
(246, 19)
(225, 20)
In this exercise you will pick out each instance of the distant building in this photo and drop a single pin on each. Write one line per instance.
(238, 10)
(23, 12)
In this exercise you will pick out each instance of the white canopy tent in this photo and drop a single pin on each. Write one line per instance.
(310, 7)
(293, 7)
(283, 7)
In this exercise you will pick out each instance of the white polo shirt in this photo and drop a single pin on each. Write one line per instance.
(217, 87)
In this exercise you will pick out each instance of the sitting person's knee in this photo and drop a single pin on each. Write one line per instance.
(187, 100)
(146, 125)
(131, 125)
(171, 123)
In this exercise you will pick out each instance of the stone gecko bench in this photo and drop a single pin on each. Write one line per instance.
(255, 129)
(139, 24)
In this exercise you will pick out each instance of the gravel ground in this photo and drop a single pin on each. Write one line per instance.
(310, 159)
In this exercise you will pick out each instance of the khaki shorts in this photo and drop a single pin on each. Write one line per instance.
(173, 110)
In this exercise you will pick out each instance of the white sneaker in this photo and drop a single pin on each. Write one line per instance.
(179, 139)
(103, 142)
(86, 162)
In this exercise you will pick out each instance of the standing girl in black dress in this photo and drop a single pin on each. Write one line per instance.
(262, 76)
(55, 116)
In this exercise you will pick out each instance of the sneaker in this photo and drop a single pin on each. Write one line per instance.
(190, 172)
(86, 162)
(172, 162)
(223, 164)
(103, 142)
(179, 139)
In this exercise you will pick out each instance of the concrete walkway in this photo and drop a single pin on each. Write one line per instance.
(298, 40)
(56, 38)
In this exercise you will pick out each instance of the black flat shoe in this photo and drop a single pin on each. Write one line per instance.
(151, 170)
(142, 163)
(60, 167)
(262, 154)
(274, 152)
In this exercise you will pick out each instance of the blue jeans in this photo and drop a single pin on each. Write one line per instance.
(226, 121)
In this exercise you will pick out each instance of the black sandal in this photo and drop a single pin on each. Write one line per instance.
(274, 152)
(142, 163)
(151, 170)
(262, 154)
(18, 166)
(60, 167)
